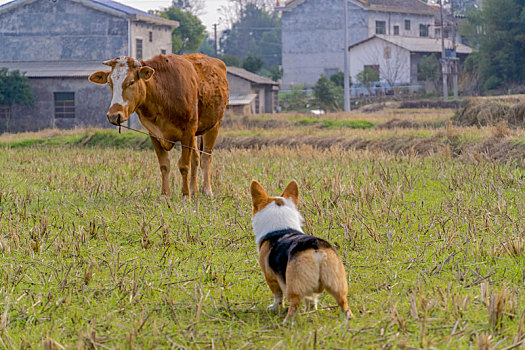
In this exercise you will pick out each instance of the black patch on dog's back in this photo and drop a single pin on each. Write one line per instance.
(284, 246)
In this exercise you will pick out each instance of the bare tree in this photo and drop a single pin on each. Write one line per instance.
(195, 7)
(393, 62)
(235, 9)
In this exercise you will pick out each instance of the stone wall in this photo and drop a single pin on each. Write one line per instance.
(160, 35)
(313, 39)
(398, 19)
(313, 36)
(46, 30)
(91, 105)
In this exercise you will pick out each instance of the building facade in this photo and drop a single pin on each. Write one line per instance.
(58, 44)
(396, 58)
(250, 93)
(313, 32)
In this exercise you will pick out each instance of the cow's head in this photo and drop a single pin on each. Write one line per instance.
(127, 81)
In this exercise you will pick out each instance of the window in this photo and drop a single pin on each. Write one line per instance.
(138, 51)
(407, 24)
(150, 36)
(423, 30)
(330, 71)
(64, 105)
(163, 52)
(4, 112)
(387, 52)
(438, 32)
(396, 30)
(380, 27)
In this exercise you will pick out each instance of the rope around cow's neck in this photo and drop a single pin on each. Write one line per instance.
(160, 138)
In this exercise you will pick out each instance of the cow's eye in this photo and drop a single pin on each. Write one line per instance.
(131, 83)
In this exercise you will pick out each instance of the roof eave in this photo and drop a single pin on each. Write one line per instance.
(253, 81)
(154, 20)
(429, 12)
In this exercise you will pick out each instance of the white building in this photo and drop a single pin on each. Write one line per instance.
(313, 32)
(396, 58)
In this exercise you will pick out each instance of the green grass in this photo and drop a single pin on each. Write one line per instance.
(334, 124)
(91, 254)
(98, 138)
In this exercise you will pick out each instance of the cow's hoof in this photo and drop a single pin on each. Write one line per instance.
(207, 192)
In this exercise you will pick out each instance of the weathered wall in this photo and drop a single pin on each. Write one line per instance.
(270, 99)
(161, 39)
(266, 96)
(239, 86)
(313, 39)
(393, 19)
(313, 36)
(91, 105)
(395, 68)
(46, 30)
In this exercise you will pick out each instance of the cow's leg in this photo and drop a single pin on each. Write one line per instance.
(209, 139)
(195, 160)
(187, 141)
(164, 163)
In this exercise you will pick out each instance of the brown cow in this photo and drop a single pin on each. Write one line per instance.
(176, 98)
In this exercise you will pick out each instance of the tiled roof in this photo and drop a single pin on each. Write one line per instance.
(240, 100)
(399, 6)
(54, 69)
(243, 73)
(123, 8)
(418, 44)
(402, 6)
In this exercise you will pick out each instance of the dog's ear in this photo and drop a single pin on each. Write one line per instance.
(292, 191)
(258, 194)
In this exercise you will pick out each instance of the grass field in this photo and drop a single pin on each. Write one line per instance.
(91, 256)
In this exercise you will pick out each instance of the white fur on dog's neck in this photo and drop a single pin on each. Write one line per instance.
(275, 218)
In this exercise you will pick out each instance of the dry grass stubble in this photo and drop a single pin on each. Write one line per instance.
(91, 256)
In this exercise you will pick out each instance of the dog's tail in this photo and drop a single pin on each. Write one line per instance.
(318, 255)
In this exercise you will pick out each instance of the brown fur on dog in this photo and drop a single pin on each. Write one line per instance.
(309, 271)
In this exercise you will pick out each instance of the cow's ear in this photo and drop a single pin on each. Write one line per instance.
(146, 73)
(100, 77)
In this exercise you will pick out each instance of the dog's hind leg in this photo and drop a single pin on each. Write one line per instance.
(333, 278)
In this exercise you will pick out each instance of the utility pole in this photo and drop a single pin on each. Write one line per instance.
(444, 63)
(347, 73)
(215, 33)
(454, 62)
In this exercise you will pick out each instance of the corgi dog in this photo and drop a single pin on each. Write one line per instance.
(294, 264)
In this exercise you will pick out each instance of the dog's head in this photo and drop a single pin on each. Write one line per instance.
(260, 199)
(275, 213)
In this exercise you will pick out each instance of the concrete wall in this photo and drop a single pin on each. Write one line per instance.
(313, 39)
(46, 30)
(161, 39)
(313, 36)
(266, 96)
(393, 19)
(238, 86)
(271, 98)
(396, 68)
(91, 105)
